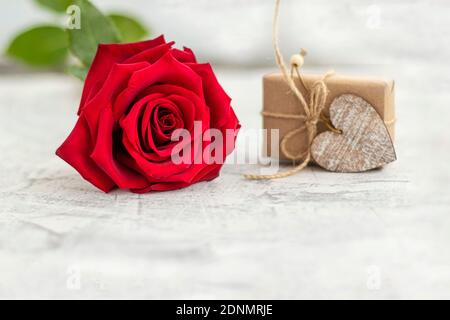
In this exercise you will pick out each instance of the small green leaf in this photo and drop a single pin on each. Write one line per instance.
(129, 28)
(78, 71)
(40, 46)
(55, 5)
(95, 29)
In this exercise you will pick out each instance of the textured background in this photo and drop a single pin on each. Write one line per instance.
(239, 31)
(383, 234)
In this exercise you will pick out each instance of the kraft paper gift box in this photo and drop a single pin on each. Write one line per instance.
(278, 98)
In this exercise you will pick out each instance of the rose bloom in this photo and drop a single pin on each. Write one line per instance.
(135, 96)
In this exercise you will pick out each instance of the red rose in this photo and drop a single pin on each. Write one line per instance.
(134, 98)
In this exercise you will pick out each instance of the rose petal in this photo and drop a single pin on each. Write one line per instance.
(184, 98)
(162, 154)
(186, 55)
(153, 170)
(151, 55)
(76, 151)
(231, 123)
(130, 125)
(107, 55)
(187, 109)
(157, 137)
(206, 173)
(216, 98)
(116, 81)
(166, 70)
(141, 134)
(104, 158)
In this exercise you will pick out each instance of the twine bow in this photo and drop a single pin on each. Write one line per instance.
(313, 109)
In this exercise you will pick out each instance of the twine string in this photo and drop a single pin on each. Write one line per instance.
(312, 110)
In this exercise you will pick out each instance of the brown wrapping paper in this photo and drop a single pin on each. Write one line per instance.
(278, 98)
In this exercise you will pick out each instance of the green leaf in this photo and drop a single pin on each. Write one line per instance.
(129, 28)
(55, 5)
(40, 46)
(95, 29)
(78, 71)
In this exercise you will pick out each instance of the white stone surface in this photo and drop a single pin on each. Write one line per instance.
(384, 234)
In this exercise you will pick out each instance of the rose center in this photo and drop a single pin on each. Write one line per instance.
(166, 121)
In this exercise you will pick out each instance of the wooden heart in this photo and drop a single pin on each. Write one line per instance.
(364, 144)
